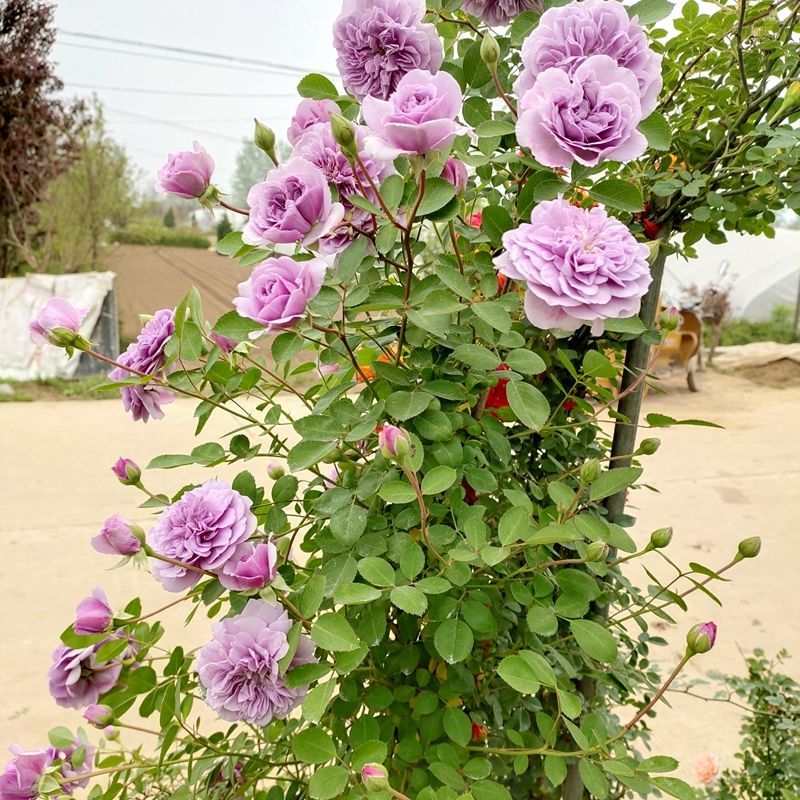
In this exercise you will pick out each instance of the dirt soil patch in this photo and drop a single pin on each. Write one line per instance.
(778, 374)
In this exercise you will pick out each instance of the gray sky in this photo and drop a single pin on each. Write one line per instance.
(288, 32)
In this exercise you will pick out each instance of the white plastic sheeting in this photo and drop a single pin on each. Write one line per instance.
(21, 299)
(762, 273)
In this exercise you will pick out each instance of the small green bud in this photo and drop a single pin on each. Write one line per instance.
(375, 777)
(750, 548)
(490, 51)
(669, 319)
(344, 135)
(660, 538)
(790, 101)
(275, 471)
(590, 471)
(210, 197)
(701, 637)
(649, 446)
(597, 551)
(394, 442)
(264, 137)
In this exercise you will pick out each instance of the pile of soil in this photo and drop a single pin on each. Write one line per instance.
(778, 374)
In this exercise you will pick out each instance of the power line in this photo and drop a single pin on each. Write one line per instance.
(189, 52)
(142, 90)
(190, 128)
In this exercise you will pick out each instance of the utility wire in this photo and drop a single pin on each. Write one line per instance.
(191, 128)
(143, 90)
(187, 51)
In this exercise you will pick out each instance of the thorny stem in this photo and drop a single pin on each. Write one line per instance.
(658, 695)
(379, 196)
(503, 96)
(423, 510)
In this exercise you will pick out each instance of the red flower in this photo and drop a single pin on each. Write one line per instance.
(651, 229)
(475, 219)
(470, 495)
(478, 732)
(501, 283)
(568, 405)
(498, 394)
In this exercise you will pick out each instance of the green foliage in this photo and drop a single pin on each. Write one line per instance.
(169, 219)
(778, 328)
(155, 234)
(769, 753)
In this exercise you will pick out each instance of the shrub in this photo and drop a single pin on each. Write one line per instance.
(159, 235)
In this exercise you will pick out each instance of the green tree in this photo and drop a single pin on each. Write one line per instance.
(169, 219)
(224, 227)
(251, 167)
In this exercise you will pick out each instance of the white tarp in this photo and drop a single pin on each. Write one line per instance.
(762, 273)
(21, 299)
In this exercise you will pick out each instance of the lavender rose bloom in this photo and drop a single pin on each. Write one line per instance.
(68, 770)
(187, 173)
(203, 530)
(455, 172)
(57, 323)
(568, 35)
(252, 566)
(380, 41)
(93, 614)
(498, 12)
(20, 779)
(579, 266)
(310, 113)
(292, 204)
(278, 290)
(128, 471)
(147, 354)
(418, 118)
(116, 538)
(239, 666)
(77, 680)
(590, 116)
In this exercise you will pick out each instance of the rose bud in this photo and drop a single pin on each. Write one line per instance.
(700, 638)
(660, 538)
(478, 732)
(93, 614)
(590, 471)
(394, 442)
(275, 470)
(455, 172)
(98, 715)
(749, 548)
(597, 551)
(225, 344)
(58, 323)
(264, 138)
(118, 537)
(375, 777)
(648, 447)
(669, 319)
(344, 135)
(128, 471)
(490, 51)
(187, 173)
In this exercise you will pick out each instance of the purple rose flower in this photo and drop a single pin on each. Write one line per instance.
(310, 113)
(417, 119)
(579, 266)
(128, 471)
(278, 290)
(147, 354)
(252, 566)
(77, 679)
(187, 173)
(93, 614)
(201, 530)
(568, 35)
(590, 116)
(292, 204)
(239, 666)
(380, 41)
(69, 770)
(498, 12)
(98, 716)
(455, 172)
(20, 779)
(116, 538)
(57, 323)
(225, 344)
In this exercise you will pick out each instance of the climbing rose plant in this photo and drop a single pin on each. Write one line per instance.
(417, 582)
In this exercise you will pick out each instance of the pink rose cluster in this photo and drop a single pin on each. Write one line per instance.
(589, 78)
(20, 779)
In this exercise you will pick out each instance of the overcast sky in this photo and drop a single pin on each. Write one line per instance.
(294, 33)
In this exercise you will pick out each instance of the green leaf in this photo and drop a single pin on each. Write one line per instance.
(650, 11)
(232, 326)
(528, 403)
(230, 244)
(457, 725)
(317, 87)
(495, 127)
(625, 325)
(333, 632)
(348, 524)
(434, 585)
(495, 222)
(597, 365)
(317, 701)
(594, 639)
(328, 782)
(676, 788)
(61, 737)
(594, 779)
(619, 194)
(659, 764)
(613, 481)
(453, 640)
(518, 673)
(410, 599)
(373, 751)
(476, 356)
(377, 571)
(493, 313)
(405, 405)
(313, 746)
(439, 479)
(306, 454)
(657, 131)
(526, 362)
(350, 259)
(555, 768)
(350, 594)
(438, 193)
(392, 190)
(397, 492)
(168, 461)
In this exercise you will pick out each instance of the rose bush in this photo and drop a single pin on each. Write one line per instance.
(423, 591)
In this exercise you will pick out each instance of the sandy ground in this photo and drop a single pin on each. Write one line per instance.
(716, 487)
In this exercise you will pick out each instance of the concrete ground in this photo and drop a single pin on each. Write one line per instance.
(716, 487)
